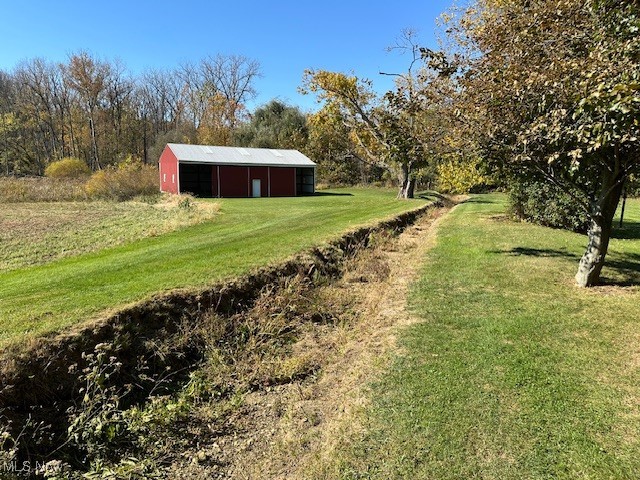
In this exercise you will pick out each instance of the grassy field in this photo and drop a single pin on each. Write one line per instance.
(246, 233)
(513, 372)
(38, 233)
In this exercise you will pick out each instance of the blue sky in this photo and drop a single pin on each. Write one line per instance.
(286, 37)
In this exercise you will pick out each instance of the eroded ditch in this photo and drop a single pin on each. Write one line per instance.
(130, 385)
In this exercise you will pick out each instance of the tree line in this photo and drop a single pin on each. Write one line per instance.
(93, 109)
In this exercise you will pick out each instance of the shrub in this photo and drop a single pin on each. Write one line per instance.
(458, 176)
(68, 167)
(129, 180)
(545, 204)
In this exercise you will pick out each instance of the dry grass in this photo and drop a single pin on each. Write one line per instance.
(41, 189)
(307, 395)
(37, 233)
(361, 353)
(124, 183)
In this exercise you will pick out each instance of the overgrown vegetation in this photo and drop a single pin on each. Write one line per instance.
(41, 189)
(70, 181)
(124, 182)
(246, 352)
(545, 204)
(68, 167)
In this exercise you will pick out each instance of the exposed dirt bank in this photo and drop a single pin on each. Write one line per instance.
(295, 430)
(157, 347)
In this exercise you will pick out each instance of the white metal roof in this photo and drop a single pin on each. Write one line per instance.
(239, 156)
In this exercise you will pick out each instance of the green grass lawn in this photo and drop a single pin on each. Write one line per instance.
(513, 373)
(246, 233)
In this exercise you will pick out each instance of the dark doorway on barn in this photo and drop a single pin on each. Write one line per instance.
(196, 178)
(305, 184)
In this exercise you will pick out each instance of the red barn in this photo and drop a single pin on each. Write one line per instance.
(208, 171)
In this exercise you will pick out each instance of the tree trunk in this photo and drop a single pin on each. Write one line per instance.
(411, 188)
(624, 203)
(407, 184)
(600, 226)
(94, 145)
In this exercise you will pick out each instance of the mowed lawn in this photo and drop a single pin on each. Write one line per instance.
(245, 233)
(513, 372)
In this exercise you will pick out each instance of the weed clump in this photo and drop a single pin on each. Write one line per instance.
(109, 430)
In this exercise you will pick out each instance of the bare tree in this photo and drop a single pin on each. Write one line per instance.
(193, 91)
(94, 109)
(89, 78)
(234, 78)
(35, 80)
(118, 96)
(161, 91)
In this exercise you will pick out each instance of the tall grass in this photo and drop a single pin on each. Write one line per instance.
(127, 181)
(118, 184)
(41, 189)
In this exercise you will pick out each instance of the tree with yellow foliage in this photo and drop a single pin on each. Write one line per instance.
(401, 131)
(556, 87)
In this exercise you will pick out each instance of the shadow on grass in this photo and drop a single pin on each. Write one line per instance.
(480, 200)
(329, 194)
(628, 231)
(619, 270)
(430, 197)
(538, 252)
(431, 194)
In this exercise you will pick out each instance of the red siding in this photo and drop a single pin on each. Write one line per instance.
(261, 173)
(234, 181)
(168, 164)
(283, 181)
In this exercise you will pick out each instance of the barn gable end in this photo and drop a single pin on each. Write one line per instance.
(168, 169)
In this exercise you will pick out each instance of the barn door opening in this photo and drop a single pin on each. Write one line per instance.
(305, 182)
(255, 188)
(196, 179)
